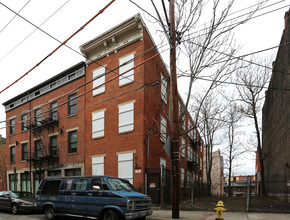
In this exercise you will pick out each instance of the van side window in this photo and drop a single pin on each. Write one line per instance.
(99, 182)
(80, 184)
(51, 187)
(67, 184)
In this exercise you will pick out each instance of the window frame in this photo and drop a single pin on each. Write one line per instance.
(72, 102)
(12, 126)
(163, 89)
(53, 111)
(98, 122)
(163, 129)
(23, 153)
(37, 148)
(37, 117)
(99, 78)
(12, 155)
(24, 122)
(70, 151)
(128, 77)
(126, 110)
(51, 147)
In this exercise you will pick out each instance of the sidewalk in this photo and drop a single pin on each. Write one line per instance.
(166, 214)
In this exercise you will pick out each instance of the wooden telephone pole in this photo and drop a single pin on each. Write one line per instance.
(174, 117)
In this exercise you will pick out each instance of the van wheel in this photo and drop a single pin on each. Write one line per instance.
(111, 215)
(49, 212)
(14, 209)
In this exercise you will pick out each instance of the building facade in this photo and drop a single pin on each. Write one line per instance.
(217, 174)
(276, 118)
(2, 163)
(105, 116)
(240, 184)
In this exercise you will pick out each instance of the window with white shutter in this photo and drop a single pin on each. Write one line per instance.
(125, 166)
(98, 165)
(163, 89)
(99, 79)
(98, 124)
(126, 117)
(163, 129)
(128, 77)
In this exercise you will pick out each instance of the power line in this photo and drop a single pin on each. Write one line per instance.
(240, 22)
(77, 88)
(154, 83)
(3, 57)
(14, 16)
(63, 43)
(38, 27)
(241, 57)
(237, 84)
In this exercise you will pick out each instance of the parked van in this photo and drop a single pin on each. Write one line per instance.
(103, 197)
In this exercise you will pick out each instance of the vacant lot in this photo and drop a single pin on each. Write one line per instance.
(238, 204)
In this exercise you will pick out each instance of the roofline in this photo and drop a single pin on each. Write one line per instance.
(74, 67)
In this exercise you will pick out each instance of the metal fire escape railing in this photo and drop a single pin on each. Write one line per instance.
(43, 155)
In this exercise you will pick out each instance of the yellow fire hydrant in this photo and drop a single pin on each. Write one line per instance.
(219, 210)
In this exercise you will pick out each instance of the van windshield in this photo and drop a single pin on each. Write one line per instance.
(121, 185)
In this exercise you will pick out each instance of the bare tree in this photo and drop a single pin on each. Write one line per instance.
(252, 81)
(234, 149)
(210, 121)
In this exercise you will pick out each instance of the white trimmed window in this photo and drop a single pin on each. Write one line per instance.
(163, 129)
(98, 124)
(163, 89)
(189, 153)
(129, 76)
(182, 147)
(98, 165)
(126, 117)
(125, 166)
(182, 177)
(99, 78)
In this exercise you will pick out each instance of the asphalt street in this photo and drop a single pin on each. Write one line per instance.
(166, 214)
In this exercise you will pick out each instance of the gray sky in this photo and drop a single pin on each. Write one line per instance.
(20, 50)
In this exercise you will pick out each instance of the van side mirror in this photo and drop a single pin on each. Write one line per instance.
(96, 187)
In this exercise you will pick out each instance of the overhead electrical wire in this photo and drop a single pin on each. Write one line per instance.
(14, 17)
(241, 84)
(38, 27)
(63, 43)
(77, 88)
(144, 85)
(190, 34)
(94, 88)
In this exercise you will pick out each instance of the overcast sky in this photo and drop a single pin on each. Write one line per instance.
(22, 47)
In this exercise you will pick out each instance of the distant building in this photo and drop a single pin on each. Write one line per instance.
(276, 122)
(2, 163)
(239, 184)
(217, 174)
(103, 117)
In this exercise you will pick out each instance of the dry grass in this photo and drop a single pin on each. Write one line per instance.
(238, 204)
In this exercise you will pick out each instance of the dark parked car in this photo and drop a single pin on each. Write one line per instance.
(17, 201)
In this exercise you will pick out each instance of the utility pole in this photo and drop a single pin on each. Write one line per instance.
(174, 116)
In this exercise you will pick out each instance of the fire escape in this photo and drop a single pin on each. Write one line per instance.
(43, 156)
(192, 163)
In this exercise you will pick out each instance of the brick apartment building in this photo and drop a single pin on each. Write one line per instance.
(217, 173)
(276, 120)
(2, 163)
(100, 117)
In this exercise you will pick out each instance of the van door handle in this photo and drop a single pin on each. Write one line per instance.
(90, 194)
(73, 194)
